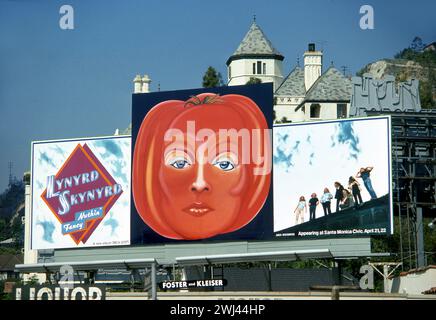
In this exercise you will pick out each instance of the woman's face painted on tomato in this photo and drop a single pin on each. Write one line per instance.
(201, 187)
(203, 180)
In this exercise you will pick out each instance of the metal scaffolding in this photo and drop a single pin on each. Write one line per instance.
(414, 178)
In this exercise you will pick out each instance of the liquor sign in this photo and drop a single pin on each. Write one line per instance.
(94, 292)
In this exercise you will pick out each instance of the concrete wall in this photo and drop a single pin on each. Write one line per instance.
(413, 282)
(30, 256)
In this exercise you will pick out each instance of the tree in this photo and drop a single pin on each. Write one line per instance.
(212, 78)
(254, 80)
(417, 45)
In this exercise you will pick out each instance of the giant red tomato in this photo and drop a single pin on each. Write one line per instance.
(191, 178)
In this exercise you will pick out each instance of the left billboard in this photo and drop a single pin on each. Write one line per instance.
(81, 193)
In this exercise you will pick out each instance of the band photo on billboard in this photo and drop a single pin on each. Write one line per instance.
(333, 178)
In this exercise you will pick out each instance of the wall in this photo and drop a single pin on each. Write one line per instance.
(30, 256)
(285, 109)
(328, 111)
(415, 282)
(242, 71)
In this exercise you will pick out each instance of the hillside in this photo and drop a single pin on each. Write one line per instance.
(412, 62)
(11, 211)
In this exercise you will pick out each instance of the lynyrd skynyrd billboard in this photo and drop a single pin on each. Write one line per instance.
(80, 193)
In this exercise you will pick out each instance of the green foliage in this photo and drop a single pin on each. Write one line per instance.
(427, 60)
(10, 201)
(33, 280)
(426, 94)
(254, 80)
(391, 244)
(212, 78)
(10, 250)
(429, 242)
(13, 195)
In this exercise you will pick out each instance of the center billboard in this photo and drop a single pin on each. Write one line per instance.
(201, 165)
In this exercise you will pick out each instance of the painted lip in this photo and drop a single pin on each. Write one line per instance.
(198, 209)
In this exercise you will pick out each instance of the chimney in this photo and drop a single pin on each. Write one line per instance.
(145, 84)
(137, 84)
(312, 66)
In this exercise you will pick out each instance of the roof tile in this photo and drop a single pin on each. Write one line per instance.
(331, 86)
(255, 42)
(293, 85)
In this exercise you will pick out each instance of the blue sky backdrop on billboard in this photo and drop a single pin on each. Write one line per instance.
(65, 83)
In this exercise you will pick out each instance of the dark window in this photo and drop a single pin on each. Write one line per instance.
(315, 110)
(259, 67)
(264, 68)
(230, 72)
(254, 68)
(341, 110)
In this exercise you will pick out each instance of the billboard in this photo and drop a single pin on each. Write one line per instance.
(333, 178)
(81, 193)
(207, 164)
(201, 164)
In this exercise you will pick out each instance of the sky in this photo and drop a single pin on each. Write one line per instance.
(309, 158)
(58, 84)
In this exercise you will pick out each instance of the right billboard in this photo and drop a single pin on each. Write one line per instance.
(333, 178)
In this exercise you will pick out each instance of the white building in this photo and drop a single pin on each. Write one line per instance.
(305, 94)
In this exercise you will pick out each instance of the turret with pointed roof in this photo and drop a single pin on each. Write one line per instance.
(255, 57)
(305, 94)
(255, 45)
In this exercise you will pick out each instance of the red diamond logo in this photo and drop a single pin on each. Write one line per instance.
(81, 194)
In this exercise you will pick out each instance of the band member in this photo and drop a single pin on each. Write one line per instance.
(365, 174)
(354, 186)
(313, 202)
(347, 200)
(300, 210)
(326, 201)
(339, 194)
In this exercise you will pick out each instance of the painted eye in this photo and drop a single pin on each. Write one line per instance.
(180, 164)
(224, 165)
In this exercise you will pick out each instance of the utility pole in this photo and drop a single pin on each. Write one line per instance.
(420, 239)
(344, 69)
(10, 166)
